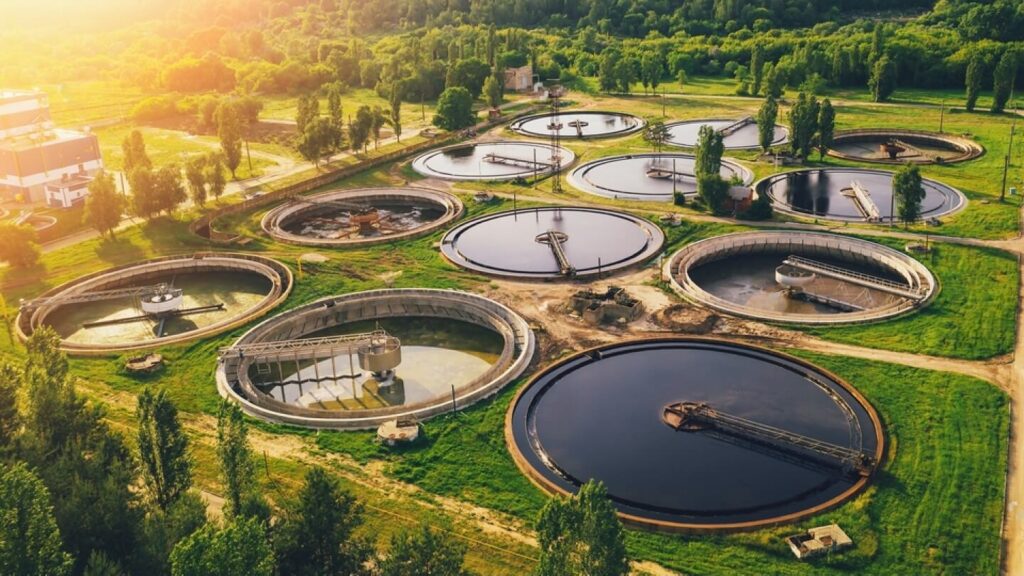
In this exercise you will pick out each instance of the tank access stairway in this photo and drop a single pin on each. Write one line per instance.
(853, 277)
(698, 416)
(736, 126)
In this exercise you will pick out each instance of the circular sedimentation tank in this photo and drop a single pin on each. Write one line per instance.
(648, 177)
(737, 133)
(800, 277)
(158, 302)
(552, 242)
(506, 160)
(578, 124)
(696, 434)
(428, 352)
(361, 217)
(852, 194)
(887, 146)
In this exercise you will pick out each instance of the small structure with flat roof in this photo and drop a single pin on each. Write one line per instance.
(818, 541)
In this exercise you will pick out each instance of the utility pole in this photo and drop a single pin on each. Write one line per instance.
(942, 116)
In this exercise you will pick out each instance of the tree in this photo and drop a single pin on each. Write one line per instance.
(30, 541)
(238, 549)
(767, 115)
(195, 178)
(168, 189)
(236, 464)
(774, 81)
(492, 91)
(826, 127)
(215, 175)
(909, 191)
(321, 136)
(163, 449)
(134, 149)
(316, 535)
(883, 79)
(470, 74)
(425, 552)
(395, 114)
(607, 75)
(656, 134)
(581, 535)
(626, 73)
(104, 206)
(454, 109)
(803, 124)
(145, 203)
(359, 129)
(651, 66)
(100, 565)
(712, 189)
(229, 130)
(973, 82)
(756, 69)
(334, 110)
(377, 121)
(18, 245)
(1002, 80)
(307, 109)
(708, 155)
(10, 419)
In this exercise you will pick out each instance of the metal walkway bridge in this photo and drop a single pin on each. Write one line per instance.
(554, 240)
(696, 416)
(520, 162)
(861, 198)
(853, 277)
(311, 348)
(736, 126)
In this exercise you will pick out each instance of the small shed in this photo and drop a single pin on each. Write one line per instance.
(818, 541)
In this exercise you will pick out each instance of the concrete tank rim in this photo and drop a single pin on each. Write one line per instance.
(419, 162)
(960, 198)
(540, 481)
(656, 246)
(453, 205)
(282, 282)
(464, 398)
(516, 125)
(575, 176)
(778, 128)
(970, 149)
(703, 298)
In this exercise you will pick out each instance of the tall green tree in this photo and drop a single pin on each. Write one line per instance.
(229, 130)
(651, 67)
(581, 535)
(104, 206)
(133, 147)
(803, 124)
(334, 109)
(145, 202)
(454, 109)
(18, 245)
(756, 69)
(423, 552)
(316, 534)
(307, 108)
(240, 548)
(320, 138)
(163, 449)
(492, 91)
(238, 470)
(359, 129)
(195, 178)
(607, 72)
(973, 82)
(908, 188)
(656, 134)
(1002, 80)
(168, 188)
(10, 419)
(774, 81)
(395, 114)
(767, 116)
(826, 127)
(30, 541)
(377, 121)
(215, 175)
(708, 155)
(883, 79)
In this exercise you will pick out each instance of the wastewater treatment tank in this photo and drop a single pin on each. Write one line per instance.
(362, 359)
(696, 434)
(852, 195)
(648, 177)
(578, 124)
(361, 217)
(507, 160)
(737, 133)
(157, 302)
(552, 243)
(800, 277)
(894, 146)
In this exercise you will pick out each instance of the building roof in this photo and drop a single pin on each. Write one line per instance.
(44, 138)
(7, 95)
